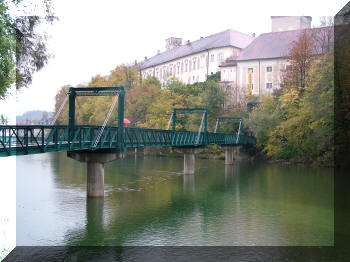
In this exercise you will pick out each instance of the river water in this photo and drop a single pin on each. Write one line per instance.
(148, 202)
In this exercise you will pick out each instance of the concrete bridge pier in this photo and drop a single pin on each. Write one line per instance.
(95, 169)
(231, 154)
(189, 158)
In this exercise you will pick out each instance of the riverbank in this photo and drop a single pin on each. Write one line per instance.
(217, 153)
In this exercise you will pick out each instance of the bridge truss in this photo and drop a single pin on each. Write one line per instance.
(34, 139)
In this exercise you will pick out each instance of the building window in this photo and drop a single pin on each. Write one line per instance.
(164, 72)
(220, 57)
(171, 69)
(186, 63)
(178, 68)
(193, 78)
(268, 85)
(288, 67)
(250, 69)
(212, 58)
(269, 69)
(202, 62)
(194, 63)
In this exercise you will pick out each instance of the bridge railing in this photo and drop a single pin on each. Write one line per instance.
(139, 137)
(30, 139)
(20, 140)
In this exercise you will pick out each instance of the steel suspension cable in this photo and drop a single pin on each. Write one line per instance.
(106, 120)
(171, 117)
(53, 121)
(200, 129)
(238, 132)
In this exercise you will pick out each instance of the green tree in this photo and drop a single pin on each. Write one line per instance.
(137, 102)
(3, 120)
(151, 80)
(296, 123)
(22, 49)
(124, 75)
(263, 120)
(214, 98)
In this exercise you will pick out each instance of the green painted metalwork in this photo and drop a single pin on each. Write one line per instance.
(22, 140)
(230, 119)
(203, 111)
(97, 91)
(71, 112)
(226, 119)
(34, 139)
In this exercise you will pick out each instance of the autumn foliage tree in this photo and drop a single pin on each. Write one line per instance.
(300, 59)
(297, 124)
(146, 103)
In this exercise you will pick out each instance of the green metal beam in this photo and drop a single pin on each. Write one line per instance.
(190, 110)
(71, 113)
(120, 134)
(227, 119)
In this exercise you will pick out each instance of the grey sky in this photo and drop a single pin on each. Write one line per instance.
(93, 37)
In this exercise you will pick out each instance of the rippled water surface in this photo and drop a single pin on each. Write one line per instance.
(148, 201)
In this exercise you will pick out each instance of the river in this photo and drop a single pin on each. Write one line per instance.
(149, 202)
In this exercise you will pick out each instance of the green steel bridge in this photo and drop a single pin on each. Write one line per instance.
(34, 139)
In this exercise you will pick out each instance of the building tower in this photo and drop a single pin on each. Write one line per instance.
(173, 42)
(287, 23)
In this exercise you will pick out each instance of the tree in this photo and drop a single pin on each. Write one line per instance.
(125, 75)
(300, 59)
(214, 98)
(324, 35)
(137, 102)
(151, 80)
(7, 50)
(3, 120)
(22, 49)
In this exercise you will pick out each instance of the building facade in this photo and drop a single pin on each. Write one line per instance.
(194, 61)
(248, 65)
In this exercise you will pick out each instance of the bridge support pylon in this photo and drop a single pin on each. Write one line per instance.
(189, 158)
(95, 169)
(231, 154)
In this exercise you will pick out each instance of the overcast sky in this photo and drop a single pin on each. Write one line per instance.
(93, 37)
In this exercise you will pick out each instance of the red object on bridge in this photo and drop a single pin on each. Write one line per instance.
(126, 121)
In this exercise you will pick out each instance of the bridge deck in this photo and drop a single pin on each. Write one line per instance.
(34, 139)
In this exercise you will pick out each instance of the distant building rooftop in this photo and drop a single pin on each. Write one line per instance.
(276, 44)
(226, 38)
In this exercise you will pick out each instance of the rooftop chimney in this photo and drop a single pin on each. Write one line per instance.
(145, 57)
(158, 52)
(253, 34)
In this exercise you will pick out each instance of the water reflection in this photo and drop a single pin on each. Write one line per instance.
(188, 183)
(231, 171)
(148, 202)
(94, 216)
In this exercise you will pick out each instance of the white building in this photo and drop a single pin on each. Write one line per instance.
(266, 57)
(234, 54)
(194, 61)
